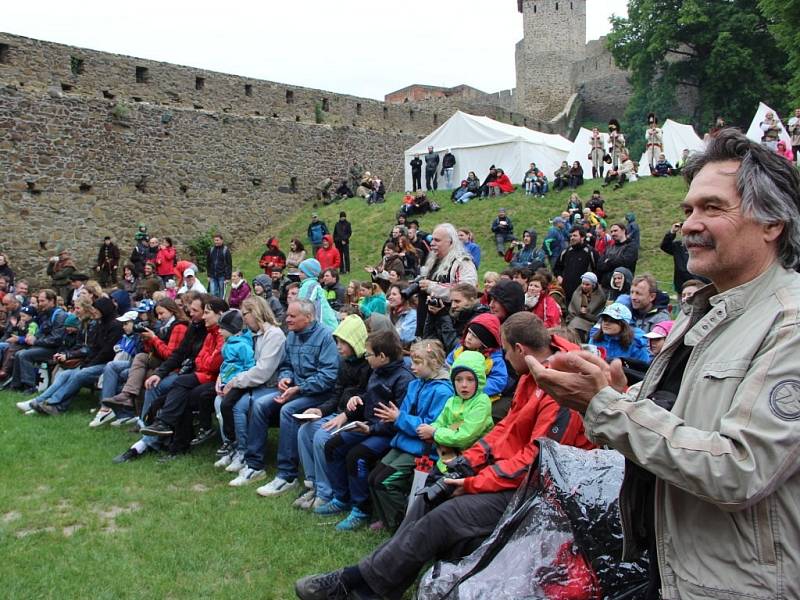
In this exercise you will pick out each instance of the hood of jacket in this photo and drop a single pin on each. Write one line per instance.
(491, 323)
(106, 308)
(475, 363)
(353, 331)
(123, 300)
(264, 281)
(510, 294)
(272, 243)
(625, 273)
(329, 238)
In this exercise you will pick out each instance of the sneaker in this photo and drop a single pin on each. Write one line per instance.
(355, 520)
(304, 502)
(46, 409)
(122, 421)
(328, 586)
(24, 406)
(334, 507)
(203, 435)
(159, 429)
(30, 412)
(317, 503)
(224, 461)
(237, 462)
(225, 449)
(308, 484)
(127, 456)
(102, 416)
(247, 476)
(276, 487)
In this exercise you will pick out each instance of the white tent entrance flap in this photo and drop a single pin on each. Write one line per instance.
(479, 142)
(677, 136)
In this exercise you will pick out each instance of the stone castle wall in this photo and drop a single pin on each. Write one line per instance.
(604, 87)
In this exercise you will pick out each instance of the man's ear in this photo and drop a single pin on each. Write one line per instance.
(772, 231)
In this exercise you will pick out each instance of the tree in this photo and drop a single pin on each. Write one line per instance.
(718, 55)
(783, 17)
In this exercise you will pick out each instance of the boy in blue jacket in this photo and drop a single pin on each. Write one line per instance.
(238, 355)
(350, 455)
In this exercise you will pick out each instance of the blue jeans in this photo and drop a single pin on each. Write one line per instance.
(465, 197)
(262, 409)
(448, 178)
(26, 364)
(349, 467)
(3, 347)
(240, 412)
(68, 383)
(311, 438)
(115, 371)
(216, 286)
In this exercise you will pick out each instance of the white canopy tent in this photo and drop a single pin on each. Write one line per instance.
(580, 150)
(479, 142)
(677, 136)
(754, 132)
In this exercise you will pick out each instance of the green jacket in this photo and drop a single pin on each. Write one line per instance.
(462, 422)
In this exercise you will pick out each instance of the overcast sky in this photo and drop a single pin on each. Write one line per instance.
(361, 47)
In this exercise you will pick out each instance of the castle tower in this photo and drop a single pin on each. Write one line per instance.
(554, 39)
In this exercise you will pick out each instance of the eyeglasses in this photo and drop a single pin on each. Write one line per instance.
(369, 354)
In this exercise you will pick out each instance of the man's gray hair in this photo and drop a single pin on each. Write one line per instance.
(456, 250)
(768, 184)
(306, 307)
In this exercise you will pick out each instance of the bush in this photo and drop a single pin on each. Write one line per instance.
(199, 246)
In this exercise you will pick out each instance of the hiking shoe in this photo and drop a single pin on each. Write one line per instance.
(121, 400)
(237, 462)
(159, 429)
(327, 586)
(203, 435)
(276, 487)
(355, 520)
(101, 417)
(224, 461)
(127, 456)
(24, 406)
(225, 449)
(247, 476)
(333, 507)
(304, 502)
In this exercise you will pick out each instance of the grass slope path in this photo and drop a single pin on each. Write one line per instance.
(656, 202)
(73, 525)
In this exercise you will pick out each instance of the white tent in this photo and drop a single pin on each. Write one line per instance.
(677, 136)
(478, 142)
(580, 150)
(755, 133)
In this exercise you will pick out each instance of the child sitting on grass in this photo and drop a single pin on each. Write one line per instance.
(350, 455)
(390, 481)
(467, 415)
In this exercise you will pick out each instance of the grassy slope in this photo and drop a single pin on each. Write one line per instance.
(180, 531)
(655, 202)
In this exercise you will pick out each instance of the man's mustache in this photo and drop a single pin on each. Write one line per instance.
(696, 240)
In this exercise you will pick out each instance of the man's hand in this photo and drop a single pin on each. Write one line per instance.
(284, 384)
(676, 228)
(387, 413)
(152, 382)
(457, 484)
(354, 403)
(574, 378)
(335, 422)
(288, 394)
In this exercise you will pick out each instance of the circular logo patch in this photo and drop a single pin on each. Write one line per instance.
(784, 400)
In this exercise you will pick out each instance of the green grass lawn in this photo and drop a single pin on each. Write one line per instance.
(74, 525)
(655, 202)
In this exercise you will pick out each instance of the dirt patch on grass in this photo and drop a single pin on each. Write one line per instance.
(109, 515)
(69, 530)
(200, 488)
(23, 533)
(11, 516)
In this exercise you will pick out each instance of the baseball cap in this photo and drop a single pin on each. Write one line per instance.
(189, 272)
(131, 315)
(618, 312)
(660, 330)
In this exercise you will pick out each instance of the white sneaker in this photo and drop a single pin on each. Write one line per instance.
(276, 487)
(224, 461)
(247, 476)
(102, 416)
(30, 412)
(305, 501)
(309, 485)
(237, 462)
(24, 406)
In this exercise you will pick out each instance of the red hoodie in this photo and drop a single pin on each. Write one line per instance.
(503, 456)
(209, 359)
(547, 310)
(165, 261)
(330, 258)
(272, 258)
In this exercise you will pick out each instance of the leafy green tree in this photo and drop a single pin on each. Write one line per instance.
(718, 54)
(783, 17)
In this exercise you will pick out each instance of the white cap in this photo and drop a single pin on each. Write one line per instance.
(131, 315)
(189, 272)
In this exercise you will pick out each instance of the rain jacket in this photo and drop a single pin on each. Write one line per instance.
(354, 371)
(312, 291)
(237, 356)
(424, 400)
(272, 258)
(503, 456)
(330, 258)
(638, 350)
(386, 384)
(209, 359)
(311, 361)
(463, 421)
(495, 370)
(268, 352)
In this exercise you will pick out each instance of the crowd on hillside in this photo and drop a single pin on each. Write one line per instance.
(419, 366)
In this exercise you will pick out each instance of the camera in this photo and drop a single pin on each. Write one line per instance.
(411, 289)
(140, 328)
(436, 490)
(187, 366)
(435, 302)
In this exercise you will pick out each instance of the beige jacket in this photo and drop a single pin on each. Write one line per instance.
(727, 457)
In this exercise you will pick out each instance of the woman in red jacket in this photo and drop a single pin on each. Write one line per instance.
(539, 302)
(165, 260)
(328, 256)
(501, 185)
(195, 390)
